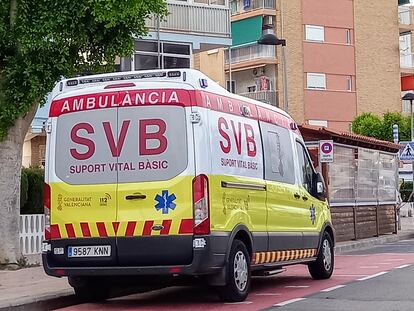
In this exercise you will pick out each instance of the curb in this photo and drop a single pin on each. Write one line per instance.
(50, 301)
(344, 247)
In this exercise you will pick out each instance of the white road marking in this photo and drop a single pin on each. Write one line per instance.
(238, 303)
(394, 259)
(329, 289)
(268, 294)
(402, 267)
(297, 286)
(284, 303)
(373, 276)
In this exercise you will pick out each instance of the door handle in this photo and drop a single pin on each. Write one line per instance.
(305, 198)
(297, 196)
(136, 197)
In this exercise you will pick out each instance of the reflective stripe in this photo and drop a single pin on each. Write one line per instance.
(101, 229)
(130, 228)
(85, 229)
(70, 231)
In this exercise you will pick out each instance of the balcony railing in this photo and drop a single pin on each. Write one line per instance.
(407, 60)
(212, 20)
(250, 52)
(238, 6)
(406, 15)
(268, 97)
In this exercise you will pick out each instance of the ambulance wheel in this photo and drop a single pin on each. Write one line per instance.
(323, 267)
(238, 274)
(89, 289)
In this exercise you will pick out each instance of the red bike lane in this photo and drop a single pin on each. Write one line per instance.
(294, 283)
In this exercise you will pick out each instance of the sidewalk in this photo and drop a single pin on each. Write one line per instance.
(25, 289)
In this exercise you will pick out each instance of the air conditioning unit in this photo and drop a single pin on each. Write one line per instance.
(257, 72)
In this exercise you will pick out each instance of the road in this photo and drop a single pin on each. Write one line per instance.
(380, 279)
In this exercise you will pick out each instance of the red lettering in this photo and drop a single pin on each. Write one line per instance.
(145, 136)
(223, 122)
(250, 141)
(115, 148)
(237, 136)
(82, 141)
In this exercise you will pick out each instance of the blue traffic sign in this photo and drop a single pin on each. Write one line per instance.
(407, 154)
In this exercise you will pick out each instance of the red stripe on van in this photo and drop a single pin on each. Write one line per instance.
(130, 228)
(148, 227)
(167, 225)
(85, 229)
(115, 225)
(186, 226)
(70, 231)
(101, 229)
(55, 232)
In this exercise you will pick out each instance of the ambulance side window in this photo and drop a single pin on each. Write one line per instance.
(305, 167)
(277, 153)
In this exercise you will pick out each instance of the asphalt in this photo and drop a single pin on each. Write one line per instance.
(32, 289)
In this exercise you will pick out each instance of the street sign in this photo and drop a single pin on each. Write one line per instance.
(407, 154)
(326, 151)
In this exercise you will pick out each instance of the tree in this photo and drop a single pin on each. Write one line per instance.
(40, 41)
(367, 124)
(382, 128)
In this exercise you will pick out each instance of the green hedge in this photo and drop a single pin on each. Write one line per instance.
(31, 191)
(405, 190)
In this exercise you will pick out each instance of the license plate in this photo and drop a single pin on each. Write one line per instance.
(89, 251)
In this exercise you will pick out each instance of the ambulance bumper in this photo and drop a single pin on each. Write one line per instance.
(208, 257)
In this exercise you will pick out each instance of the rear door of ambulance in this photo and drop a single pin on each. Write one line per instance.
(82, 180)
(155, 175)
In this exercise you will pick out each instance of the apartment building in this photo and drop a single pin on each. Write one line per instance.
(191, 26)
(342, 57)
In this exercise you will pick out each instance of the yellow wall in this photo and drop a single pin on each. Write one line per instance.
(211, 63)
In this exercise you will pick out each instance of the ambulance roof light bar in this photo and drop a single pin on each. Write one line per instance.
(134, 76)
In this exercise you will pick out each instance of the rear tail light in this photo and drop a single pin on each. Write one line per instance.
(201, 205)
(46, 205)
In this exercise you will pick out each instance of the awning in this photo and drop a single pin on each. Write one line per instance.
(247, 30)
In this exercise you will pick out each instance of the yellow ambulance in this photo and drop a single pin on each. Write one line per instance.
(163, 174)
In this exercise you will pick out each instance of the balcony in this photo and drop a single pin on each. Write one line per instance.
(250, 56)
(255, 7)
(196, 18)
(268, 97)
(407, 64)
(406, 19)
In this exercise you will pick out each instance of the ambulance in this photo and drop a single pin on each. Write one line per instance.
(164, 174)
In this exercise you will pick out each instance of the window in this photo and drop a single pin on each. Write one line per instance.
(316, 81)
(349, 83)
(170, 55)
(348, 36)
(251, 89)
(305, 167)
(323, 123)
(315, 33)
(278, 153)
(233, 86)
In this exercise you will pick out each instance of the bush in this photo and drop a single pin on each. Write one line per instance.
(31, 194)
(405, 189)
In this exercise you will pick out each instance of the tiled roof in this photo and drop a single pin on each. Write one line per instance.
(310, 132)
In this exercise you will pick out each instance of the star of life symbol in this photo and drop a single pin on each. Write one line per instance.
(165, 202)
(312, 211)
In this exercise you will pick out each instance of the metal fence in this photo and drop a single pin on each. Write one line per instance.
(250, 52)
(31, 233)
(241, 6)
(195, 18)
(268, 97)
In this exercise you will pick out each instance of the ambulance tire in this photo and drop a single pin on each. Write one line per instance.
(238, 274)
(323, 267)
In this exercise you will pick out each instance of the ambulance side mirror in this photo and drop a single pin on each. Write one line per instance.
(319, 187)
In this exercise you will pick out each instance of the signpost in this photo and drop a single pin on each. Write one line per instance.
(326, 151)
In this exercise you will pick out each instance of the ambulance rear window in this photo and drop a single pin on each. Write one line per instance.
(127, 144)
